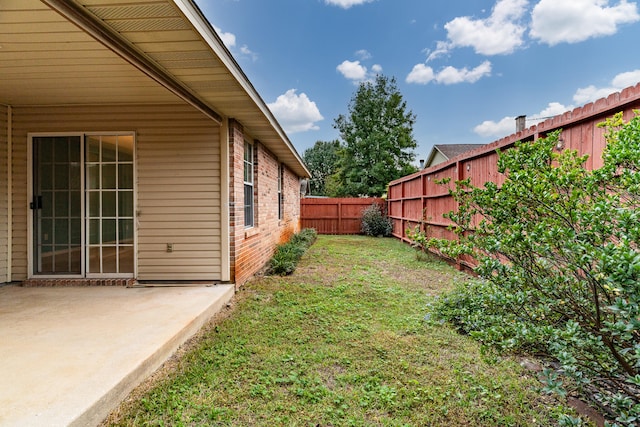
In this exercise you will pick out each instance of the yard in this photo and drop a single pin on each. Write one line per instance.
(344, 341)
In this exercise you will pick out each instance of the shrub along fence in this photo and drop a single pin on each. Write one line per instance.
(418, 200)
(335, 215)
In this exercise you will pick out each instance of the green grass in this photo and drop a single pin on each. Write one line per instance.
(341, 342)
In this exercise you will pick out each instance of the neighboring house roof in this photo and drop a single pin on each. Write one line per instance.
(78, 52)
(448, 152)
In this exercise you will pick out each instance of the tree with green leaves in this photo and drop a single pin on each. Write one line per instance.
(558, 249)
(322, 160)
(378, 139)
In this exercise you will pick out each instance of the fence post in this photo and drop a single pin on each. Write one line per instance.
(402, 221)
(460, 174)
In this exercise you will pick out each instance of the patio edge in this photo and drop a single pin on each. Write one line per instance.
(99, 410)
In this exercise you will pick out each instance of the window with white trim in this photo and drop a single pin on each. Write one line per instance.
(248, 185)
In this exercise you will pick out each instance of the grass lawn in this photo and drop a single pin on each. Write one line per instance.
(341, 342)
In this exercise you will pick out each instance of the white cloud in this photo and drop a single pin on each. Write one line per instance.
(423, 74)
(356, 72)
(296, 113)
(584, 95)
(623, 80)
(248, 52)
(376, 68)
(572, 21)
(553, 109)
(507, 125)
(499, 34)
(503, 31)
(450, 75)
(346, 4)
(353, 70)
(363, 54)
(229, 39)
(442, 48)
(489, 128)
(592, 93)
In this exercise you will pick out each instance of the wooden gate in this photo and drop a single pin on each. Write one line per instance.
(335, 215)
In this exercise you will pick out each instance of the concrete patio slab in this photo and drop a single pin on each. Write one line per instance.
(68, 356)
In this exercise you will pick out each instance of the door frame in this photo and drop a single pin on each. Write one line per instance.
(84, 245)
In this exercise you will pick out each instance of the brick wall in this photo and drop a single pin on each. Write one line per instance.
(251, 248)
(236, 208)
(291, 219)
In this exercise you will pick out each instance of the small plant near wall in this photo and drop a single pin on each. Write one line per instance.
(287, 255)
(375, 221)
(558, 251)
(419, 235)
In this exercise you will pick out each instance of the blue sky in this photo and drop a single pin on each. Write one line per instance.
(466, 68)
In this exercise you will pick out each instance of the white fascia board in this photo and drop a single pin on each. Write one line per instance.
(193, 13)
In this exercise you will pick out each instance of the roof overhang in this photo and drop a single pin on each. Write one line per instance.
(87, 52)
(434, 152)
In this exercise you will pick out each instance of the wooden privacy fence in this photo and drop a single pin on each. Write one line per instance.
(416, 200)
(334, 215)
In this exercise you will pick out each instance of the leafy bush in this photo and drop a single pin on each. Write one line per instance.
(558, 251)
(375, 221)
(286, 257)
(304, 238)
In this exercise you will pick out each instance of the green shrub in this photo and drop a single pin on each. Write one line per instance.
(558, 251)
(305, 237)
(286, 257)
(375, 221)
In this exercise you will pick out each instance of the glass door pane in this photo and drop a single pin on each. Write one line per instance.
(56, 205)
(109, 177)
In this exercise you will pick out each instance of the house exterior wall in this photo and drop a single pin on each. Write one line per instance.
(251, 248)
(4, 194)
(437, 159)
(178, 180)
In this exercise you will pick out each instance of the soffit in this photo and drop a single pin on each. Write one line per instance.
(47, 60)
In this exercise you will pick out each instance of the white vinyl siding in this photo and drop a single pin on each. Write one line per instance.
(4, 197)
(177, 175)
(179, 204)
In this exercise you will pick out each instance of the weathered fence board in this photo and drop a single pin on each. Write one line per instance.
(417, 199)
(334, 215)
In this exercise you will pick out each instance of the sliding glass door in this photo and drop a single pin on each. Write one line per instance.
(83, 205)
(109, 182)
(57, 205)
